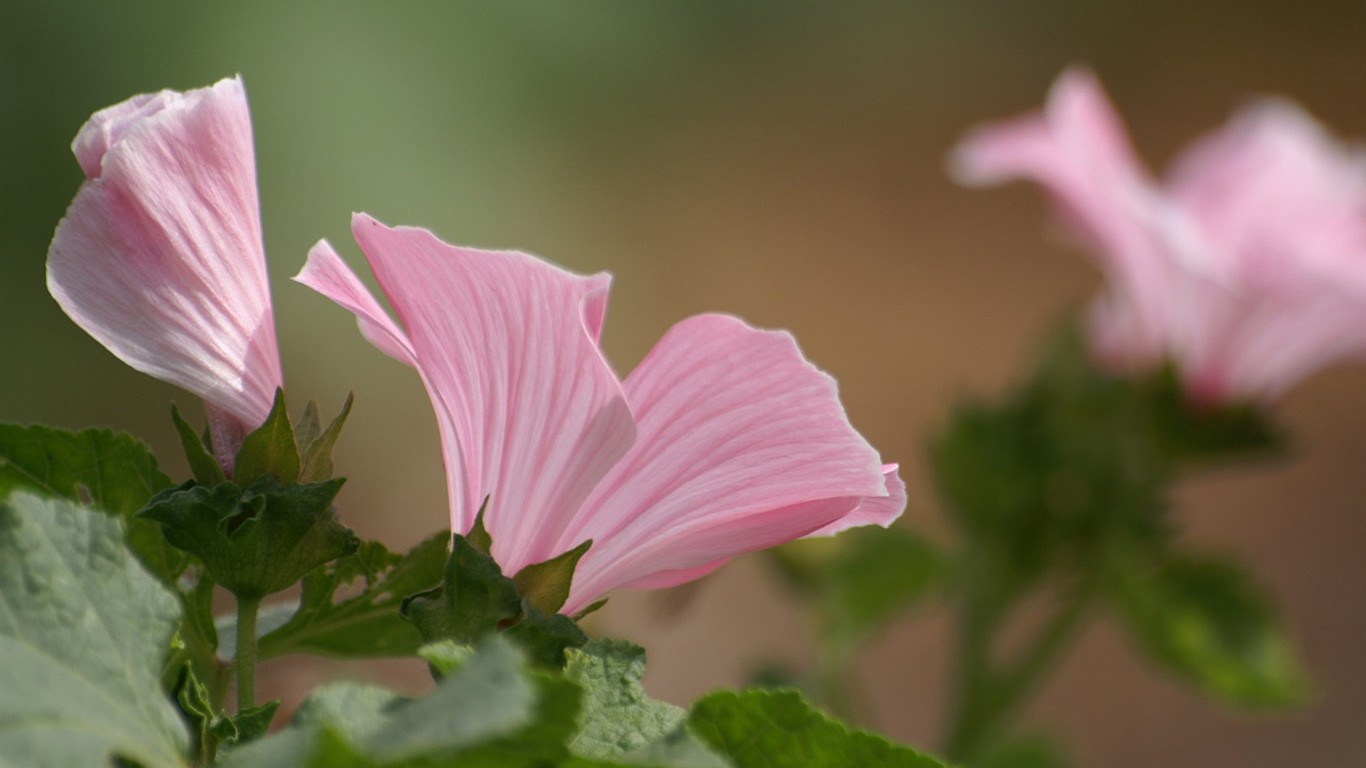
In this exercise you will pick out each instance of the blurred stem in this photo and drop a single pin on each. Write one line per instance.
(245, 657)
(837, 687)
(988, 696)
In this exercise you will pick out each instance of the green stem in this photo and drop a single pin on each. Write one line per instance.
(978, 616)
(245, 659)
(987, 696)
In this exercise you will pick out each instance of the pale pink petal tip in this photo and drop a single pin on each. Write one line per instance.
(160, 255)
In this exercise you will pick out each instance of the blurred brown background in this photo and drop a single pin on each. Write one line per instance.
(780, 161)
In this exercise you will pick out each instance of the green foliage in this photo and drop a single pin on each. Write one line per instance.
(618, 719)
(777, 729)
(112, 471)
(1206, 621)
(367, 623)
(1188, 433)
(490, 712)
(214, 731)
(83, 630)
(255, 540)
(877, 575)
(1023, 753)
(476, 599)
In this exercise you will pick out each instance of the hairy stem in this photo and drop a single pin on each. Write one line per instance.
(244, 661)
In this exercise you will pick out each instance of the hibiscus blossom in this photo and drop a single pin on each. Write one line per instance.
(160, 257)
(1247, 268)
(723, 440)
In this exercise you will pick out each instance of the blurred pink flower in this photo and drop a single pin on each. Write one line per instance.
(722, 441)
(1247, 268)
(160, 257)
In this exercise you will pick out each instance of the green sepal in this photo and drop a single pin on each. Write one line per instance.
(258, 540)
(778, 729)
(269, 450)
(1208, 622)
(365, 623)
(478, 537)
(589, 609)
(309, 425)
(316, 448)
(1189, 433)
(546, 584)
(203, 465)
(111, 471)
(474, 598)
(545, 636)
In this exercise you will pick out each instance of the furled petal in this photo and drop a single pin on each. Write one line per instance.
(160, 256)
(531, 415)
(741, 445)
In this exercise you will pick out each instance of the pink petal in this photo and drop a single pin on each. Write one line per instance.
(160, 255)
(873, 510)
(531, 415)
(326, 273)
(1078, 151)
(742, 445)
(1277, 201)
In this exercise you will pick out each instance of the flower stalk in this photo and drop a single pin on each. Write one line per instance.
(244, 660)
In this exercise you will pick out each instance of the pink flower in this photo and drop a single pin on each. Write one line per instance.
(722, 441)
(1247, 268)
(160, 257)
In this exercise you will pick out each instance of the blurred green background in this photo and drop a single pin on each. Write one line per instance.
(781, 161)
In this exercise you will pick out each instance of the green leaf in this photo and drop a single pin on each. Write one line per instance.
(474, 598)
(83, 630)
(246, 726)
(1206, 621)
(203, 465)
(112, 471)
(445, 656)
(258, 540)
(777, 729)
(269, 450)
(546, 585)
(877, 576)
(491, 712)
(618, 720)
(367, 623)
(316, 456)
